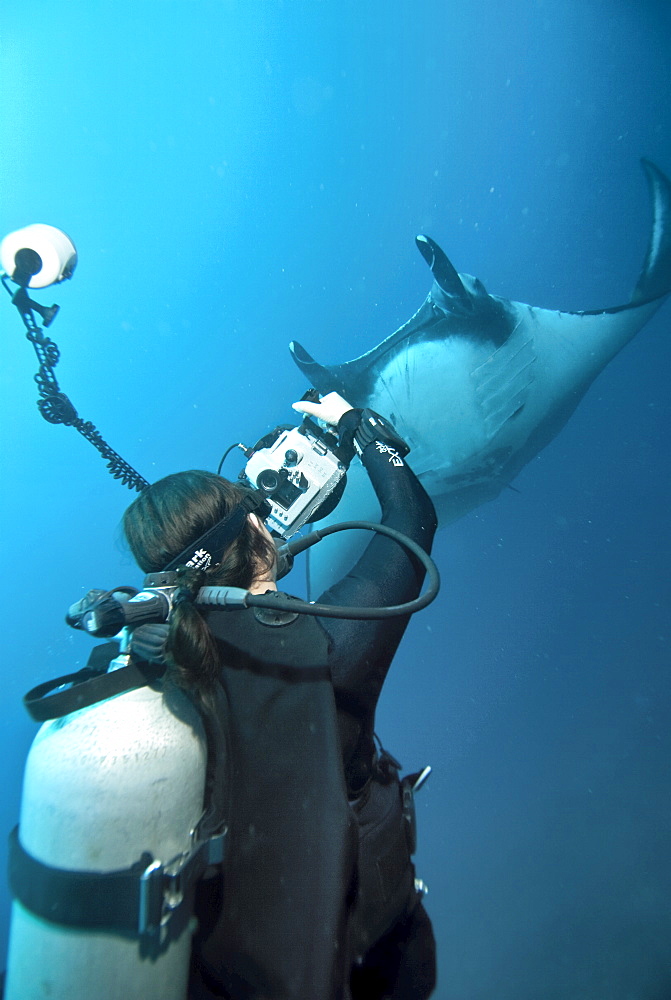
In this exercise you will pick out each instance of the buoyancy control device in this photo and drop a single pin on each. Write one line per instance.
(110, 843)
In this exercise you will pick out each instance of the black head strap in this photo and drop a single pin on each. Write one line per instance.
(208, 550)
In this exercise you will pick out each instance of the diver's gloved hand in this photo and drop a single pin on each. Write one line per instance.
(372, 428)
(148, 642)
(329, 409)
(358, 428)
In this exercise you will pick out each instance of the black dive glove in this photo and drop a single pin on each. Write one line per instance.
(148, 642)
(359, 428)
(355, 428)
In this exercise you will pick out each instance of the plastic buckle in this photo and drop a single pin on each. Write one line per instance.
(409, 814)
(409, 786)
(214, 849)
(421, 778)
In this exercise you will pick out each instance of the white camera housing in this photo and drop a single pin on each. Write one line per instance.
(55, 250)
(298, 473)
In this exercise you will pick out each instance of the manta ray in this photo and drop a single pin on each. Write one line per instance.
(477, 385)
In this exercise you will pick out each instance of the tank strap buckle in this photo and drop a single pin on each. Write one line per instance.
(214, 849)
(163, 888)
(149, 899)
(150, 903)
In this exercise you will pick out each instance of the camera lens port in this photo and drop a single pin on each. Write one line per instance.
(268, 480)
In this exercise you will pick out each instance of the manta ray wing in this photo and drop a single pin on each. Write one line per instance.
(478, 385)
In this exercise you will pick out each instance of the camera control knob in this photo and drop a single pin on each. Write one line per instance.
(290, 457)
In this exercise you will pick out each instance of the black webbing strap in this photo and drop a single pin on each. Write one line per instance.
(76, 898)
(88, 687)
(133, 902)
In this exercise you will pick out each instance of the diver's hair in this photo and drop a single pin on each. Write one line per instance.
(166, 518)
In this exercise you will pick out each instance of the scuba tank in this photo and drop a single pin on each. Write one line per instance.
(122, 812)
(103, 865)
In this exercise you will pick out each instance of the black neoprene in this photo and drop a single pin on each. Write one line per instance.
(276, 923)
(361, 652)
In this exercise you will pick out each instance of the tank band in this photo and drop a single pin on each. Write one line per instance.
(148, 899)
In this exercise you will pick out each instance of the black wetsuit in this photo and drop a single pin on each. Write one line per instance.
(394, 948)
(318, 876)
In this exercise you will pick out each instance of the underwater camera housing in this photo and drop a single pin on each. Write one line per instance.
(302, 472)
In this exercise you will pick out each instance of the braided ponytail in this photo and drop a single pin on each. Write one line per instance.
(164, 519)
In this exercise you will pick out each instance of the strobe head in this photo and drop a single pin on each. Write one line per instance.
(38, 256)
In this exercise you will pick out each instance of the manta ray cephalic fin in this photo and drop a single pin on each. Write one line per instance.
(445, 273)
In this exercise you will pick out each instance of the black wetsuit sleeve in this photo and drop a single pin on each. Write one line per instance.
(362, 651)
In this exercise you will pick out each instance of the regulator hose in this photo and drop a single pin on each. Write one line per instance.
(235, 597)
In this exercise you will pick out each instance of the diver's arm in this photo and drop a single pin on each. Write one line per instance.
(362, 651)
(386, 573)
(404, 503)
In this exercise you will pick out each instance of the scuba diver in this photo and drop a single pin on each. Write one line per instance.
(317, 899)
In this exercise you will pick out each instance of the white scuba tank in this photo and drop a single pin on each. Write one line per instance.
(103, 785)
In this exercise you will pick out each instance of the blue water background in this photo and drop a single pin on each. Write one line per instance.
(239, 174)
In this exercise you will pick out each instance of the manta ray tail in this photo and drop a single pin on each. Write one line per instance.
(655, 279)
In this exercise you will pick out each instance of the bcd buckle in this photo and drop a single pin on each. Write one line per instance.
(409, 785)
